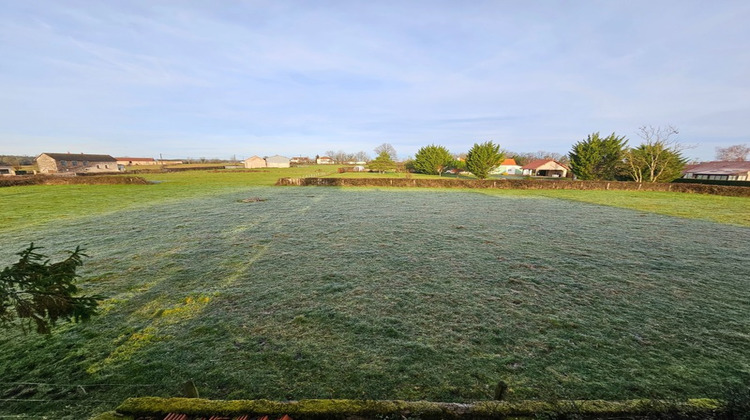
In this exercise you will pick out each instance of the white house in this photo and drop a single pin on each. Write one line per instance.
(508, 167)
(324, 160)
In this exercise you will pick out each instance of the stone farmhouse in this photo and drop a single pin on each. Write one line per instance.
(324, 160)
(56, 163)
(719, 170)
(545, 167)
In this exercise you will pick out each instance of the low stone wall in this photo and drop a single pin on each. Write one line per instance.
(518, 184)
(157, 408)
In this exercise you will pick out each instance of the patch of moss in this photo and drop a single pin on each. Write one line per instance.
(111, 415)
(424, 410)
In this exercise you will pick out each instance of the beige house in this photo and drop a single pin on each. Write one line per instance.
(545, 167)
(52, 163)
(254, 162)
(135, 161)
(7, 170)
(277, 161)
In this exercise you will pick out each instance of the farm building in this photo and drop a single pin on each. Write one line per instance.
(255, 162)
(324, 160)
(508, 167)
(7, 170)
(134, 161)
(277, 161)
(51, 163)
(719, 170)
(545, 167)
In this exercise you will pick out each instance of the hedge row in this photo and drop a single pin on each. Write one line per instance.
(13, 181)
(712, 182)
(520, 184)
(152, 407)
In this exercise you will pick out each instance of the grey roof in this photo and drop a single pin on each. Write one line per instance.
(719, 168)
(277, 158)
(80, 156)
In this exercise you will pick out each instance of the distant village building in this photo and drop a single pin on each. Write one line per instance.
(7, 171)
(134, 161)
(168, 162)
(545, 167)
(277, 161)
(508, 167)
(254, 162)
(719, 171)
(300, 160)
(51, 163)
(324, 160)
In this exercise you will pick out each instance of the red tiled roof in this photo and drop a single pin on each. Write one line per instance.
(536, 164)
(508, 162)
(178, 416)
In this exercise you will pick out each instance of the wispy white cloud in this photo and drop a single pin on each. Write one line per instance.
(300, 77)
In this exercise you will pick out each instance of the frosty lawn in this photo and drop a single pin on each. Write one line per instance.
(394, 294)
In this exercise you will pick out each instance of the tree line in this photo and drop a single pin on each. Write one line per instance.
(657, 158)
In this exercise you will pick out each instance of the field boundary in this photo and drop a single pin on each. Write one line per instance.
(15, 181)
(145, 407)
(517, 184)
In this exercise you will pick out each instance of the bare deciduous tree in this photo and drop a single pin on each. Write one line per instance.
(738, 152)
(658, 158)
(362, 156)
(387, 148)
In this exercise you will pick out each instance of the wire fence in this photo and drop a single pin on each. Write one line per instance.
(17, 395)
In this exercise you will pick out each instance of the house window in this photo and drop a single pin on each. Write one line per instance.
(98, 167)
(106, 166)
(63, 163)
(85, 163)
(74, 163)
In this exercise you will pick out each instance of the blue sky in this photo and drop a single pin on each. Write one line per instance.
(217, 79)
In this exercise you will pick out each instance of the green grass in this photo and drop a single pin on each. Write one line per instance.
(378, 293)
(730, 210)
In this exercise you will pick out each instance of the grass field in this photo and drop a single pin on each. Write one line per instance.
(380, 293)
